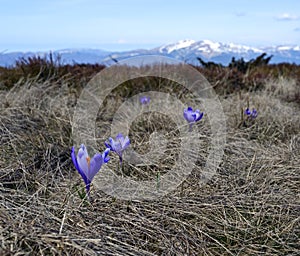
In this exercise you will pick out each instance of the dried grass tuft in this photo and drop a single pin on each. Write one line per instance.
(250, 207)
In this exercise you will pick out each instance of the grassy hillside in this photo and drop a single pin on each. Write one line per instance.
(250, 207)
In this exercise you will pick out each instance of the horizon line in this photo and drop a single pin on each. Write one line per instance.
(145, 46)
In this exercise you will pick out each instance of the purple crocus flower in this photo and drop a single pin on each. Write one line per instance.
(145, 100)
(247, 112)
(118, 145)
(252, 114)
(86, 166)
(192, 116)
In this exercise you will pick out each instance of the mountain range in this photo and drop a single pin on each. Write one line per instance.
(185, 50)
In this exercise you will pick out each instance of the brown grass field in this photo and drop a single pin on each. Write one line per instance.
(250, 207)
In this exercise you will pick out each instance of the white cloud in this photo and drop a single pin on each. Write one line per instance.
(287, 16)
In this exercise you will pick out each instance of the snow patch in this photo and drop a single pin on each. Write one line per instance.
(213, 45)
(284, 48)
(179, 45)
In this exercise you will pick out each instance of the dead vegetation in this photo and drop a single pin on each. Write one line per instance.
(250, 207)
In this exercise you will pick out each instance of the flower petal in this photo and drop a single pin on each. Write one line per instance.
(247, 112)
(111, 145)
(188, 115)
(95, 166)
(118, 147)
(77, 166)
(254, 113)
(82, 161)
(108, 145)
(198, 116)
(125, 143)
(144, 100)
(105, 155)
(119, 136)
(73, 155)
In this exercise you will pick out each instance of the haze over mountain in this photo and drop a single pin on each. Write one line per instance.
(185, 50)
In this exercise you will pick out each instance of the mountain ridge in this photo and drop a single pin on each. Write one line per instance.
(186, 50)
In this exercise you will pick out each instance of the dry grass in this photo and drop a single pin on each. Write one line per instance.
(250, 207)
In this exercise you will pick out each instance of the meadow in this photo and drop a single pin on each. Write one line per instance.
(251, 206)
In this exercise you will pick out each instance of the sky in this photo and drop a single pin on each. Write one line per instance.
(39, 25)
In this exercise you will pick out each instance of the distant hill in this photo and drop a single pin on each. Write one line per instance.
(185, 50)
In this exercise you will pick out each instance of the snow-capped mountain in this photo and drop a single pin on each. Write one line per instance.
(207, 47)
(176, 46)
(186, 50)
(189, 50)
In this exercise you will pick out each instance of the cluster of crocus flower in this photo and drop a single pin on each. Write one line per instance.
(145, 100)
(89, 167)
(192, 116)
(252, 114)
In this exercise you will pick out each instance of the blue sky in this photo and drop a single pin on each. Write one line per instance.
(129, 24)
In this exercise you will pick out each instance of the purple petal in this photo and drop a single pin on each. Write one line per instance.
(82, 157)
(254, 113)
(120, 140)
(188, 115)
(120, 136)
(77, 166)
(125, 143)
(247, 112)
(111, 145)
(185, 115)
(105, 155)
(95, 166)
(73, 155)
(117, 147)
(82, 151)
(108, 145)
(144, 100)
(199, 116)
